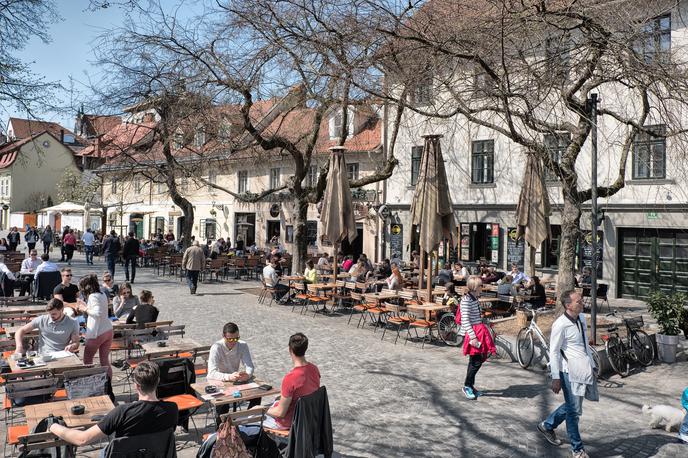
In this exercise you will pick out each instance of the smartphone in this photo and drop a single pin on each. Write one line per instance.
(265, 387)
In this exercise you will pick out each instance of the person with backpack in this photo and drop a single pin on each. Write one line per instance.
(13, 239)
(48, 238)
(32, 238)
(111, 249)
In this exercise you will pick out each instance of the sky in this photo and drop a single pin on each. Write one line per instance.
(69, 54)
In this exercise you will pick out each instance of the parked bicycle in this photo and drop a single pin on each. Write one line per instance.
(525, 344)
(637, 345)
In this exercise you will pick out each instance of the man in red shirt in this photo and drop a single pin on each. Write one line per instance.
(302, 380)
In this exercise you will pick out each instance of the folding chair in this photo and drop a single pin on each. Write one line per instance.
(315, 299)
(396, 319)
(176, 377)
(418, 321)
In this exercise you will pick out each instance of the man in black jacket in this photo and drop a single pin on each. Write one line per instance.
(111, 248)
(130, 253)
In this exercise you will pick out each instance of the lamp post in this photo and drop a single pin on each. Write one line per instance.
(593, 187)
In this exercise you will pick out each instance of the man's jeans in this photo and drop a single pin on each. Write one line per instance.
(192, 278)
(131, 260)
(683, 431)
(111, 259)
(571, 411)
(88, 249)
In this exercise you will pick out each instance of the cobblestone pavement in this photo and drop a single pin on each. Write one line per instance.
(400, 400)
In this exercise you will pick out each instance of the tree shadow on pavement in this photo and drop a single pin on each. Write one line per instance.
(517, 391)
(643, 446)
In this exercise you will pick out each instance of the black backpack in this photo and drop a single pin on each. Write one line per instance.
(63, 451)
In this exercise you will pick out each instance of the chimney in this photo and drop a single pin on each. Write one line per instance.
(61, 135)
(98, 145)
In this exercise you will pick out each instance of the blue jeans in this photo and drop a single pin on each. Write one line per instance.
(571, 411)
(683, 430)
(88, 249)
(111, 259)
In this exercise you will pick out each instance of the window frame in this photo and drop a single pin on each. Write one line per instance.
(488, 162)
(113, 185)
(275, 177)
(556, 149)
(242, 181)
(353, 170)
(312, 176)
(212, 178)
(649, 45)
(423, 91)
(416, 158)
(650, 142)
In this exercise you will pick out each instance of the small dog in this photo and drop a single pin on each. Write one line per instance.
(670, 416)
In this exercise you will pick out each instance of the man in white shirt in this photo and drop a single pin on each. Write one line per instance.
(324, 264)
(572, 370)
(518, 276)
(7, 279)
(46, 265)
(31, 263)
(271, 278)
(89, 240)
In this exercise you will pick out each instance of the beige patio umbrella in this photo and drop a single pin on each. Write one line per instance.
(533, 209)
(337, 214)
(431, 209)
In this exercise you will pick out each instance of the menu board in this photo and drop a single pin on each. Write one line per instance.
(515, 249)
(465, 241)
(396, 240)
(586, 253)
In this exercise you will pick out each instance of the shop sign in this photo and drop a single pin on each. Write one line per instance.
(653, 216)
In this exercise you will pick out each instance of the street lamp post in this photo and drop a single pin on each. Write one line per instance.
(593, 187)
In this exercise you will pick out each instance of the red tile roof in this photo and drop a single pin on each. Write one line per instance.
(24, 128)
(99, 124)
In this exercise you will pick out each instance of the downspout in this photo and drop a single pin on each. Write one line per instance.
(381, 222)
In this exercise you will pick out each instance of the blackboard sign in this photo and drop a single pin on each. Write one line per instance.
(586, 250)
(515, 250)
(396, 240)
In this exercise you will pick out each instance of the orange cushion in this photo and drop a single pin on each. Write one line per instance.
(185, 354)
(15, 432)
(60, 395)
(185, 401)
(201, 371)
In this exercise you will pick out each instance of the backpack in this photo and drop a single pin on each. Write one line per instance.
(63, 451)
(229, 443)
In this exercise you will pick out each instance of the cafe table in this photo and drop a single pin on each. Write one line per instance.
(97, 405)
(331, 276)
(172, 346)
(225, 391)
(381, 296)
(55, 365)
(428, 308)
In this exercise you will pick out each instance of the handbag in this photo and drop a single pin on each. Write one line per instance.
(229, 443)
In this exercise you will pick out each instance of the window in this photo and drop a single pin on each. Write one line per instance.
(482, 82)
(312, 177)
(113, 185)
(416, 154)
(138, 184)
(337, 120)
(161, 185)
(274, 178)
(199, 137)
(550, 249)
(312, 232)
(558, 56)
(655, 39)
(242, 179)
(212, 178)
(649, 153)
(482, 161)
(423, 90)
(207, 227)
(184, 184)
(178, 140)
(352, 170)
(556, 145)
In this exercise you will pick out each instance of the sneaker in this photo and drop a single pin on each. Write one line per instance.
(468, 392)
(477, 393)
(580, 454)
(550, 435)
(683, 438)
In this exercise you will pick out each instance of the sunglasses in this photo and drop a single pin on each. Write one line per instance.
(231, 340)
(67, 275)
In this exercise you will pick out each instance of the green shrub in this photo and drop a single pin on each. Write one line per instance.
(668, 310)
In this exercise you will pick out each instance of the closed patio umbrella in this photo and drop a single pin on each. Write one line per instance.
(337, 213)
(431, 210)
(533, 209)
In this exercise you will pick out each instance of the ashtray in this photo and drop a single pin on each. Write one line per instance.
(162, 343)
(78, 410)
(211, 389)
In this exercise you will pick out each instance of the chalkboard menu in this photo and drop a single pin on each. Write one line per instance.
(515, 249)
(396, 240)
(465, 241)
(586, 250)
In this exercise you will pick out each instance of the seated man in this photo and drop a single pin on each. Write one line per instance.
(57, 331)
(271, 278)
(66, 291)
(490, 276)
(148, 415)
(145, 312)
(324, 264)
(443, 276)
(504, 289)
(31, 263)
(46, 265)
(7, 279)
(518, 276)
(302, 380)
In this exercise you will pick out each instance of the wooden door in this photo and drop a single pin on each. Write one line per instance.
(31, 219)
(58, 222)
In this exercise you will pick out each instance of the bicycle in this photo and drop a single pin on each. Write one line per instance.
(451, 333)
(638, 345)
(525, 345)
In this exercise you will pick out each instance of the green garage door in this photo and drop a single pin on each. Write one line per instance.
(651, 259)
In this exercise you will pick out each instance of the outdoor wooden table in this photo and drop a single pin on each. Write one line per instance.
(32, 309)
(97, 405)
(429, 308)
(291, 278)
(323, 286)
(381, 296)
(56, 365)
(174, 345)
(226, 388)
(12, 330)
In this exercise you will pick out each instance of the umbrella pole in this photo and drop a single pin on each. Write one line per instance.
(334, 265)
(422, 269)
(428, 285)
(531, 261)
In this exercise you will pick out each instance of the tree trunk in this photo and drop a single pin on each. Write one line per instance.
(570, 233)
(298, 261)
(187, 209)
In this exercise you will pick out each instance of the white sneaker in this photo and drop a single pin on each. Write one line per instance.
(580, 454)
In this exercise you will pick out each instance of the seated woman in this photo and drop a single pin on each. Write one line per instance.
(124, 303)
(505, 288)
(537, 291)
(395, 281)
(310, 274)
(451, 298)
(145, 312)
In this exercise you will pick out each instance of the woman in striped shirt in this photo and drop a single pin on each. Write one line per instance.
(477, 344)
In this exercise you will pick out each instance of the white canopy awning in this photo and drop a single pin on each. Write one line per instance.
(68, 207)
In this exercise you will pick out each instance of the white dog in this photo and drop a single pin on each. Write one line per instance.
(671, 416)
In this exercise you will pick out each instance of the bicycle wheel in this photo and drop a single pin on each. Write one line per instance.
(616, 353)
(598, 364)
(525, 347)
(448, 331)
(643, 350)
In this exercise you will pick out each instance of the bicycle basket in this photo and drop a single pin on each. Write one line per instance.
(635, 322)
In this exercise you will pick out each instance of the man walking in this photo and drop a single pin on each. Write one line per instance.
(111, 248)
(130, 253)
(13, 239)
(31, 238)
(193, 261)
(573, 372)
(89, 240)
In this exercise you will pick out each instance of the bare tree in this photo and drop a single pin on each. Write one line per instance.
(526, 70)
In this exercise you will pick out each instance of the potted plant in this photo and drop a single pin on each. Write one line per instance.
(668, 310)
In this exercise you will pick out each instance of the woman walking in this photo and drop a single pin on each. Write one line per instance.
(47, 238)
(98, 325)
(69, 244)
(477, 343)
